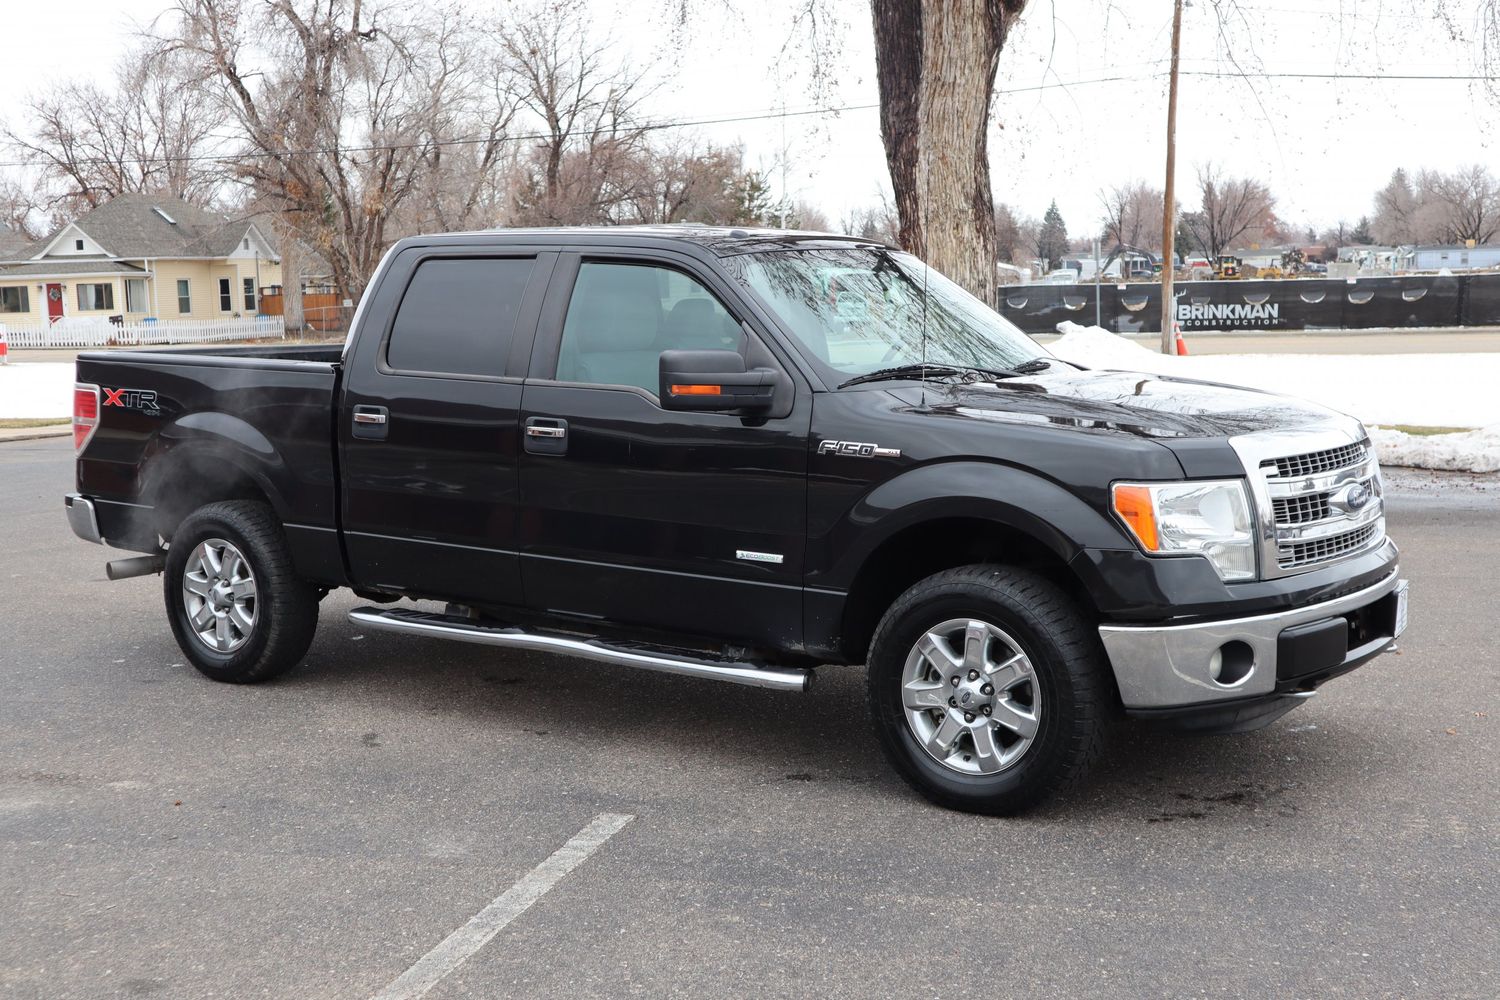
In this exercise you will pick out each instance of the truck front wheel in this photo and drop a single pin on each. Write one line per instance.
(987, 688)
(237, 608)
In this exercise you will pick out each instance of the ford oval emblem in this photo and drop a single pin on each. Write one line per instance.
(1351, 499)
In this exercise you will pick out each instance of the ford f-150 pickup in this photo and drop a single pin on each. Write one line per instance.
(738, 455)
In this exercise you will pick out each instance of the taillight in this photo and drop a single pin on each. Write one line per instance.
(85, 414)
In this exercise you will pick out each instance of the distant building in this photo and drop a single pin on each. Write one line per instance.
(138, 256)
(1451, 257)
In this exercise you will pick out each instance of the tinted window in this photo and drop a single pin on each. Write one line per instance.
(458, 316)
(622, 316)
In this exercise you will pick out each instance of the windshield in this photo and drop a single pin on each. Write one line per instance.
(860, 309)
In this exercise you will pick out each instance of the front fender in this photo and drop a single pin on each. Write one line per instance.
(1062, 521)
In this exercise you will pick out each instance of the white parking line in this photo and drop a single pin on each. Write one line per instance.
(456, 948)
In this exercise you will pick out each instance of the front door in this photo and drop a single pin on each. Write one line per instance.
(428, 435)
(644, 517)
(54, 303)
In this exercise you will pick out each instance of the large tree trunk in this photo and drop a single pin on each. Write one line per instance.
(291, 277)
(935, 65)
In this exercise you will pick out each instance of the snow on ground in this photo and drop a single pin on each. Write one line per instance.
(1425, 390)
(1434, 390)
(36, 390)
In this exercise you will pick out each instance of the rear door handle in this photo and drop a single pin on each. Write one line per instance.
(546, 436)
(370, 422)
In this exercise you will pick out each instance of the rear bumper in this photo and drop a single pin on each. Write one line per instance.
(82, 519)
(1261, 660)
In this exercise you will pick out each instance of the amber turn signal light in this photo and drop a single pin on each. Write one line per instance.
(1133, 504)
(697, 390)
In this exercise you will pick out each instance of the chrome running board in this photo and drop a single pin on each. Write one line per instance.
(414, 622)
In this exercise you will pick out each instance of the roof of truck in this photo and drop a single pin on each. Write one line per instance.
(722, 240)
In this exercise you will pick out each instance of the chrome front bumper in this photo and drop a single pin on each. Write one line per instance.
(1167, 666)
(81, 518)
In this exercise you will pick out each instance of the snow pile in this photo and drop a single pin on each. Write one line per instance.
(1431, 390)
(1467, 451)
(36, 390)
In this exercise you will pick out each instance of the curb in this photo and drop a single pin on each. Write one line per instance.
(35, 433)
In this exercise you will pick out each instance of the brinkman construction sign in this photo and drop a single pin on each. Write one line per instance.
(1203, 315)
(1417, 300)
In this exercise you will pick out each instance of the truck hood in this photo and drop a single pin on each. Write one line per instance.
(1142, 405)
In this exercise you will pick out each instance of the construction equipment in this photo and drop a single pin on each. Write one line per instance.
(1227, 267)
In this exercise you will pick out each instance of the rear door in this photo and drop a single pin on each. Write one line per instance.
(639, 516)
(428, 434)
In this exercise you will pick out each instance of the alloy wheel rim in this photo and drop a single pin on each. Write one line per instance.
(971, 697)
(219, 595)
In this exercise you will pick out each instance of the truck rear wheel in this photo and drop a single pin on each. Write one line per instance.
(239, 612)
(987, 688)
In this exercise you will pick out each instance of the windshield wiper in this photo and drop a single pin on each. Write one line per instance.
(944, 371)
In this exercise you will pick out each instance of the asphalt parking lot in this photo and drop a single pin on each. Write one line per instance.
(165, 836)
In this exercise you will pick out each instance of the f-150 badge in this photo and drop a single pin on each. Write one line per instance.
(857, 449)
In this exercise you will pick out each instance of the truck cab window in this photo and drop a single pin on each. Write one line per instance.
(458, 316)
(622, 316)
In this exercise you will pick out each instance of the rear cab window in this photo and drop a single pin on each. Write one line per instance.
(458, 316)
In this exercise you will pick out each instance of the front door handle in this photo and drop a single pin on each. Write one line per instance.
(370, 423)
(546, 436)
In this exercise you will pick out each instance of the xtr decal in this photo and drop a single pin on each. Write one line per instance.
(143, 400)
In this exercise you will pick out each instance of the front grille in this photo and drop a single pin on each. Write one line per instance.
(1324, 549)
(1301, 510)
(1316, 462)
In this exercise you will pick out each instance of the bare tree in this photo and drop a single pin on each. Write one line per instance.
(1132, 215)
(1231, 207)
(343, 105)
(1008, 235)
(19, 208)
(470, 107)
(585, 103)
(152, 131)
(1457, 207)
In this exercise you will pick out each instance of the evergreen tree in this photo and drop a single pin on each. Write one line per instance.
(1052, 238)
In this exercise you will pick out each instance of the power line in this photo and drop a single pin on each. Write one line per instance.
(1343, 76)
(771, 115)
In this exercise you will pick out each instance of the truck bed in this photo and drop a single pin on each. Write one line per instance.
(178, 425)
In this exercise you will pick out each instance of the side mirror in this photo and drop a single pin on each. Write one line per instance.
(713, 380)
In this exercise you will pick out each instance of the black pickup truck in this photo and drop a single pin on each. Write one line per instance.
(738, 455)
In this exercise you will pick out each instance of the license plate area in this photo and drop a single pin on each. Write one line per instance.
(1402, 589)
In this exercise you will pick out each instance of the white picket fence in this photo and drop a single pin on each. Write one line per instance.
(102, 333)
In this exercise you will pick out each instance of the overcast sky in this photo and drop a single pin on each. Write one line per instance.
(1323, 145)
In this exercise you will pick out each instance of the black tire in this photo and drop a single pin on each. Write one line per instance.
(1076, 696)
(285, 608)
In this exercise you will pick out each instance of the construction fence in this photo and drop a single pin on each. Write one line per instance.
(1419, 300)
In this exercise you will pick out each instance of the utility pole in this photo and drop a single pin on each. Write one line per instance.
(1169, 196)
(1096, 283)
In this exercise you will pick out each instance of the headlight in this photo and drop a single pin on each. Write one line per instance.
(1210, 519)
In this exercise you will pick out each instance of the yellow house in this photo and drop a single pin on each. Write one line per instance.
(139, 257)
